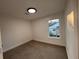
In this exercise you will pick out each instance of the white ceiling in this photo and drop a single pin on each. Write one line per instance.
(44, 8)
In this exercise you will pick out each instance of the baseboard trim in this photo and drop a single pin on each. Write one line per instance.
(15, 46)
(67, 52)
(30, 41)
(48, 43)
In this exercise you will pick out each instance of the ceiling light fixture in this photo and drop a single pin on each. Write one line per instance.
(31, 10)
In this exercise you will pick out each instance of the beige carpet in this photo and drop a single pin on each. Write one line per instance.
(36, 50)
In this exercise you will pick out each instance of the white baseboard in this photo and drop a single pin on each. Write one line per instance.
(67, 52)
(16, 46)
(49, 42)
(26, 42)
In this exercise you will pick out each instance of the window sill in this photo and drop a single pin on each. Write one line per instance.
(54, 37)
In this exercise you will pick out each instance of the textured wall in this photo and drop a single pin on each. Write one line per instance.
(15, 32)
(40, 30)
(71, 30)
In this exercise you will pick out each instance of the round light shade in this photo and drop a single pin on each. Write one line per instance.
(31, 10)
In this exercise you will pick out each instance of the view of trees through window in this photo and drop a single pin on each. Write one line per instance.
(54, 26)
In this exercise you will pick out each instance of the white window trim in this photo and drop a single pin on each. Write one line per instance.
(54, 37)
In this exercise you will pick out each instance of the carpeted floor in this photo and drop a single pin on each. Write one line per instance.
(36, 50)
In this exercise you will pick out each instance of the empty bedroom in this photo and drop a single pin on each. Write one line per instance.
(39, 29)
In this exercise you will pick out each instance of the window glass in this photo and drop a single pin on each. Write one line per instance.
(54, 26)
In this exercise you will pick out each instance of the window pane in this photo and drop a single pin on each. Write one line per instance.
(54, 26)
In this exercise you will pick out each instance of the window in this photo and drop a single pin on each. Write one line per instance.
(54, 26)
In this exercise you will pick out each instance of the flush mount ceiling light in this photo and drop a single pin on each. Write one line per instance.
(31, 10)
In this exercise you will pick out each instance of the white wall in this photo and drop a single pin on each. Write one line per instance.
(40, 30)
(15, 32)
(71, 30)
